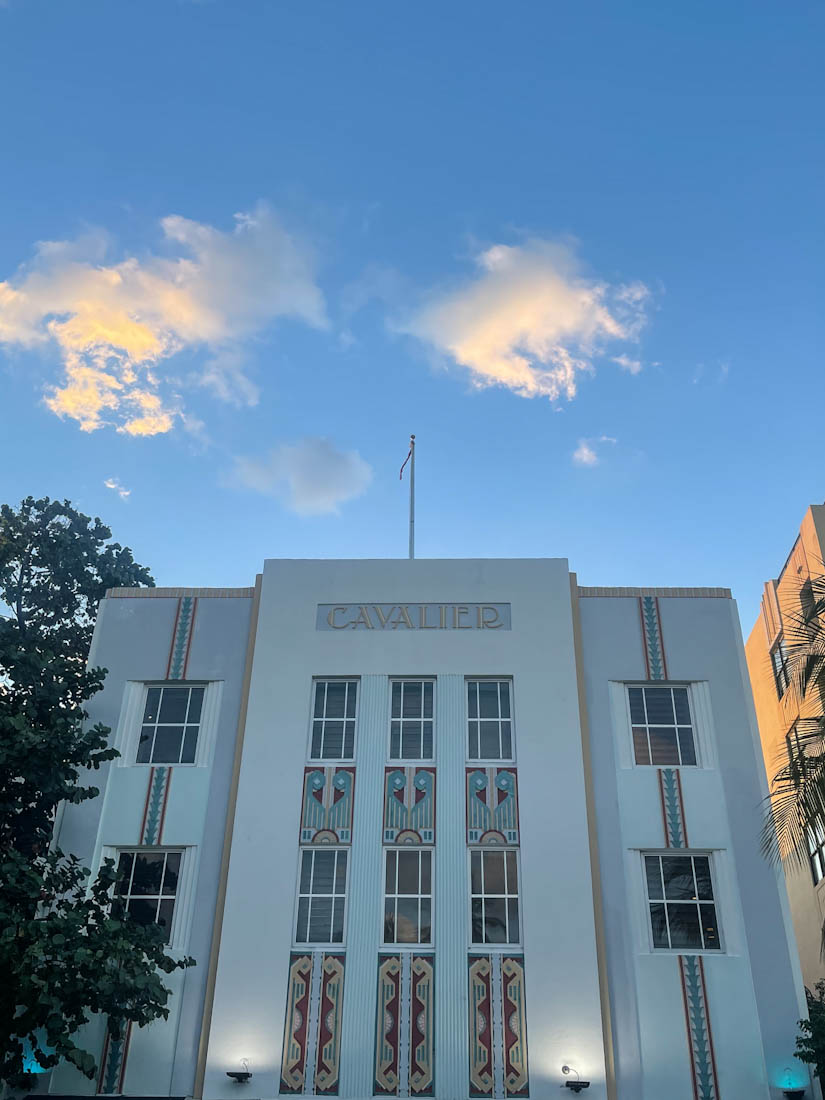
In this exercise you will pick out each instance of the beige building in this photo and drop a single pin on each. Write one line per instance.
(778, 710)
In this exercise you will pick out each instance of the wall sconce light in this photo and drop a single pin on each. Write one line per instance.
(240, 1076)
(575, 1086)
(791, 1090)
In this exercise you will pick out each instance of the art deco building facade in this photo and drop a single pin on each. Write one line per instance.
(784, 602)
(441, 829)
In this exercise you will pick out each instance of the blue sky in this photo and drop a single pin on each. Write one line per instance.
(577, 248)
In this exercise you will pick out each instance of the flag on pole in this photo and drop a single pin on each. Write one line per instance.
(411, 459)
(403, 464)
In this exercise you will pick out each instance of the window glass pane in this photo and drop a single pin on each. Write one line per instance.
(408, 872)
(166, 911)
(145, 744)
(333, 739)
(412, 700)
(303, 917)
(195, 705)
(124, 871)
(488, 699)
(702, 867)
(349, 739)
(317, 731)
(425, 929)
(472, 749)
(150, 713)
(658, 925)
(512, 917)
(659, 707)
(395, 739)
(173, 704)
(320, 920)
(654, 878)
(678, 876)
(710, 930)
(641, 751)
(506, 748)
(389, 883)
(490, 747)
(425, 872)
(167, 745)
(427, 743)
(320, 695)
(352, 695)
(411, 740)
(389, 920)
(684, 926)
(475, 872)
(148, 873)
(686, 745)
(337, 921)
(341, 873)
(428, 700)
(336, 695)
(495, 920)
(680, 698)
(512, 872)
(477, 917)
(323, 872)
(306, 872)
(664, 749)
(493, 873)
(190, 744)
(396, 699)
(406, 922)
(143, 910)
(170, 875)
(637, 707)
(504, 693)
(472, 699)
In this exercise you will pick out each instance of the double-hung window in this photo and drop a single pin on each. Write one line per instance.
(489, 720)
(408, 896)
(333, 719)
(781, 668)
(322, 895)
(146, 886)
(411, 720)
(494, 895)
(662, 726)
(681, 903)
(171, 723)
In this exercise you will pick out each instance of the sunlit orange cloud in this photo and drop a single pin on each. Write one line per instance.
(113, 326)
(529, 320)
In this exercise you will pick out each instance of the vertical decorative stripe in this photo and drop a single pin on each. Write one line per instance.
(673, 808)
(387, 1025)
(652, 638)
(293, 1056)
(422, 1026)
(409, 806)
(327, 1068)
(481, 1027)
(492, 806)
(154, 809)
(326, 810)
(515, 1026)
(697, 1019)
(113, 1061)
(181, 638)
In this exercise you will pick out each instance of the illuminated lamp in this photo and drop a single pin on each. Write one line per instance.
(240, 1076)
(575, 1086)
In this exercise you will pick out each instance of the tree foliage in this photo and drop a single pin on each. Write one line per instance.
(64, 952)
(810, 1043)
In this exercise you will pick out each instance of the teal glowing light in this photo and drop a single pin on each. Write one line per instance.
(30, 1063)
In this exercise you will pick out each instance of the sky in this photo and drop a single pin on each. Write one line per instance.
(247, 247)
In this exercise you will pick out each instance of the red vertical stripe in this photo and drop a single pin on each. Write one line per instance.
(172, 643)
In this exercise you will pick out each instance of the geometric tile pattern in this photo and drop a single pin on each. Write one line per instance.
(404, 1026)
(515, 1025)
(409, 806)
(326, 811)
(673, 808)
(652, 638)
(181, 638)
(498, 1026)
(388, 1025)
(697, 1018)
(296, 1024)
(328, 1062)
(481, 1026)
(492, 806)
(154, 808)
(422, 1025)
(113, 1061)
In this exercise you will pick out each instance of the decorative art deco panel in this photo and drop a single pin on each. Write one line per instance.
(388, 1025)
(697, 1017)
(673, 807)
(154, 808)
(654, 648)
(326, 811)
(481, 1027)
(296, 1026)
(176, 666)
(498, 1027)
(113, 1060)
(409, 806)
(327, 1069)
(492, 806)
(514, 1025)
(422, 1025)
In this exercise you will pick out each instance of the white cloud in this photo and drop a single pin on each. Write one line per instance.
(311, 476)
(586, 454)
(115, 325)
(114, 483)
(530, 320)
(632, 366)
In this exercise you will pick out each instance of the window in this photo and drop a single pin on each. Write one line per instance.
(781, 671)
(816, 846)
(680, 897)
(146, 886)
(411, 722)
(321, 896)
(662, 726)
(333, 723)
(408, 896)
(494, 896)
(807, 601)
(489, 720)
(171, 720)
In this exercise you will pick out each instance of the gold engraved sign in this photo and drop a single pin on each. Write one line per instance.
(413, 616)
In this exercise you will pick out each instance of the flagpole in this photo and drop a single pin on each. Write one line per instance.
(412, 496)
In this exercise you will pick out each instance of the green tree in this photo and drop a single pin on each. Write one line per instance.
(65, 952)
(810, 1044)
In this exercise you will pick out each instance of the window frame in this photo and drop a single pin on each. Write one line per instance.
(698, 747)
(410, 759)
(189, 685)
(404, 945)
(313, 945)
(127, 732)
(320, 760)
(716, 900)
(481, 760)
(482, 945)
(185, 895)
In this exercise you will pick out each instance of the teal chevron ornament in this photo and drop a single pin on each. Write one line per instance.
(670, 785)
(703, 1063)
(652, 629)
(113, 1062)
(180, 641)
(155, 805)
